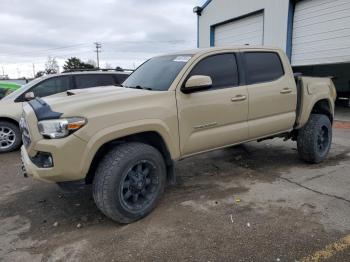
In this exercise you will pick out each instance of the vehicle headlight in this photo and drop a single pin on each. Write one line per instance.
(59, 128)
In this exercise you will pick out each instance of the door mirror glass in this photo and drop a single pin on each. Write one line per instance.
(197, 83)
(29, 96)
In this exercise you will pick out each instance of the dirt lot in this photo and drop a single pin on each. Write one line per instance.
(288, 211)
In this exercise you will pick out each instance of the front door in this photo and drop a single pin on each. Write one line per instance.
(216, 117)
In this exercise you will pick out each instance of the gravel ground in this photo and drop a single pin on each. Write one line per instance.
(256, 202)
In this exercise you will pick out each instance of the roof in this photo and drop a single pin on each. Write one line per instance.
(222, 48)
(96, 72)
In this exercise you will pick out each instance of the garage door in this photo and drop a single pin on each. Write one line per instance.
(248, 30)
(321, 32)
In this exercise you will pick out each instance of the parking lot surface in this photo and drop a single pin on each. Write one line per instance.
(256, 202)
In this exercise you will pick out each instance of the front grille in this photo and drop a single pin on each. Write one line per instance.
(25, 132)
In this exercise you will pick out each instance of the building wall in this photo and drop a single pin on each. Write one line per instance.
(275, 18)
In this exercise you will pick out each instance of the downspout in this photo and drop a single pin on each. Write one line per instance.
(291, 10)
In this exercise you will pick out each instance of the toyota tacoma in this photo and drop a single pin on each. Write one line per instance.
(125, 140)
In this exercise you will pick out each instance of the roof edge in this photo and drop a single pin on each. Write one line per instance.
(206, 4)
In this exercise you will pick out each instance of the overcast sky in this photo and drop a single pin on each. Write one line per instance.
(130, 31)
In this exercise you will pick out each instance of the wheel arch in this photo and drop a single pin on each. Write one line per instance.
(152, 138)
(320, 105)
(323, 107)
(8, 119)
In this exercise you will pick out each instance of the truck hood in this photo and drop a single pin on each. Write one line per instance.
(84, 102)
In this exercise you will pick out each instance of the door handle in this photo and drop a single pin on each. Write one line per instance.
(286, 91)
(238, 98)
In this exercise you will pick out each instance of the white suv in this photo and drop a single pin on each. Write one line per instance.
(11, 105)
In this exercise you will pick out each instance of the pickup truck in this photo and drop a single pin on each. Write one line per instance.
(125, 140)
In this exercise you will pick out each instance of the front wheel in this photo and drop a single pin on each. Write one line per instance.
(10, 137)
(129, 182)
(315, 138)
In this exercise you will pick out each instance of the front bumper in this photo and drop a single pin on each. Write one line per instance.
(67, 157)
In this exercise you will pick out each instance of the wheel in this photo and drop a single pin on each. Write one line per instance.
(10, 137)
(129, 182)
(315, 139)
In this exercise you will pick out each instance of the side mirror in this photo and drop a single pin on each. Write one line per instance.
(197, 83)
(29, 96)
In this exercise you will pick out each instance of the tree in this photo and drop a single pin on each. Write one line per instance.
(75, 63)
(39, 74)
(51, 66)
(118, 68)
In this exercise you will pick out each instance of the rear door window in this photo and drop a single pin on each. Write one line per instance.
(221, 68)
(90, 80)
(262, 67)
(121, 78)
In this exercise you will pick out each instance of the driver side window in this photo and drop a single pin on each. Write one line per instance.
(222, 69)
(52, 86)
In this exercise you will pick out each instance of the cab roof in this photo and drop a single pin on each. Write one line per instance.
(223, 48)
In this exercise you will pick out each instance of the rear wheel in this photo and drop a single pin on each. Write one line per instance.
(315, 138)
(129, 182)
(10, 137)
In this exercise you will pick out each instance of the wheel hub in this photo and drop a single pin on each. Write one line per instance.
(138, 187)
(7, 137)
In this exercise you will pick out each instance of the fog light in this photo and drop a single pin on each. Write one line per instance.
(43, 160)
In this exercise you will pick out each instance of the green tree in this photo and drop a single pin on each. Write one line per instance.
(75, 63)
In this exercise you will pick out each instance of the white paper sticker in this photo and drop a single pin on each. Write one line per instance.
(182, 59)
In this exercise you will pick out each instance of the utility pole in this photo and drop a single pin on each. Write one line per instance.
(3, 72)
(98, 47)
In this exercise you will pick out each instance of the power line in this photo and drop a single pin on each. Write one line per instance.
(44, 50)
(48, 51)
(98, 47)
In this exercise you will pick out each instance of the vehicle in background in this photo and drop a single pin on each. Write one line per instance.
(125, 141)
(11, 104)
(7, 87)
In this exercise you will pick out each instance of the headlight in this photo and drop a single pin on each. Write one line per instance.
(59, 128)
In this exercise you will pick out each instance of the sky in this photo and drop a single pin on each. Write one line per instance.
(130, 31)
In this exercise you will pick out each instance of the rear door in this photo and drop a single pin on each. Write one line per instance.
(272, 94)
(216, 117)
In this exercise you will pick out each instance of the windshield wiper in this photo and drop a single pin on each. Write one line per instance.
(139, 87)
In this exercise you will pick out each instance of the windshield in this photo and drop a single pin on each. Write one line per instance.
(157, 73)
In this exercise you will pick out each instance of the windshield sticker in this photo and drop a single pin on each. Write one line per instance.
(182, 59)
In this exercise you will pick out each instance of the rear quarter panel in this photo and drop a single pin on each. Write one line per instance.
(313, 90)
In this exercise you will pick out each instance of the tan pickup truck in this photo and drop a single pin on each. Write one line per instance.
(124, 140)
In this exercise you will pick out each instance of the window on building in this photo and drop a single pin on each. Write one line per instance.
(221, 68)
(262, 67)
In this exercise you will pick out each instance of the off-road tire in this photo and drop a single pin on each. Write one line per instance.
(18, 138)
(109, 180)
(309, 139)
